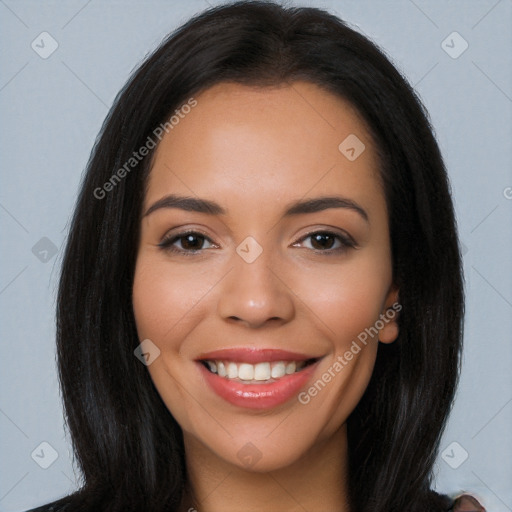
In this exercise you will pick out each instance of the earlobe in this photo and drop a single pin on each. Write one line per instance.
(389, 333)
(389, 317)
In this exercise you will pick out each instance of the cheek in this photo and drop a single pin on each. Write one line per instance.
(166, 298)
(168, 302)
(344, 304)
(344, 299)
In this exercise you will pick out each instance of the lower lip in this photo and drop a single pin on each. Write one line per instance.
(258, 396)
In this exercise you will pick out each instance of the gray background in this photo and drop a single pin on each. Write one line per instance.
(52, 110)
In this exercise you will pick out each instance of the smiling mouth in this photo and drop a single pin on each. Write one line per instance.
(256, 378)
(259, 373)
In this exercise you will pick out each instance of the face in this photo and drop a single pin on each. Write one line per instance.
(263, 273)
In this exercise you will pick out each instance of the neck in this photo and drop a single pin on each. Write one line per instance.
(317, 481)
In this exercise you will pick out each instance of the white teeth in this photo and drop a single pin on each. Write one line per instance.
(278, 370)
(221, 369)
(232, 371)
(254, 372)
(290, 368)
(245, 372)
(261, 371)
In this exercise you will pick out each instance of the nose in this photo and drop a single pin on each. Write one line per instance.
(254, 295)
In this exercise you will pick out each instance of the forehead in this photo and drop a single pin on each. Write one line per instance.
(268, 145)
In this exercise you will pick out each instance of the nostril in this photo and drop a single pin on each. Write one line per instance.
(256, 322)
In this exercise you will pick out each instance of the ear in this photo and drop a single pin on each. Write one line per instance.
(389, 317)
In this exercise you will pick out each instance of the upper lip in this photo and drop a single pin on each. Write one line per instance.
(254, 355)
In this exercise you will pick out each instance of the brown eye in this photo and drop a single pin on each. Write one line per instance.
(186, 243)
(327, 242)
(321, 241)
(191, 242)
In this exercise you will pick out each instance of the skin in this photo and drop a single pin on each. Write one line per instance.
(254, 151)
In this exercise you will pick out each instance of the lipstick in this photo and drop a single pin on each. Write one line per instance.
(256, 378)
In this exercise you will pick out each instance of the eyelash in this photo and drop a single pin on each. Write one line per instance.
(346, 241)
(167, 243)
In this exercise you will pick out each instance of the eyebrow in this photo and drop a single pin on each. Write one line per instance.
(189, 204)
(193, 204)
(324, 203)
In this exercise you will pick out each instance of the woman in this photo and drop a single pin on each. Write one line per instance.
(261, 299)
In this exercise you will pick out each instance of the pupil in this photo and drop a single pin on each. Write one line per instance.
(192, 242)
(322, 241)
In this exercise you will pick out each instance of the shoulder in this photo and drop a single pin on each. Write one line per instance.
(467, 503)
(56, 506)
(50, 508)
